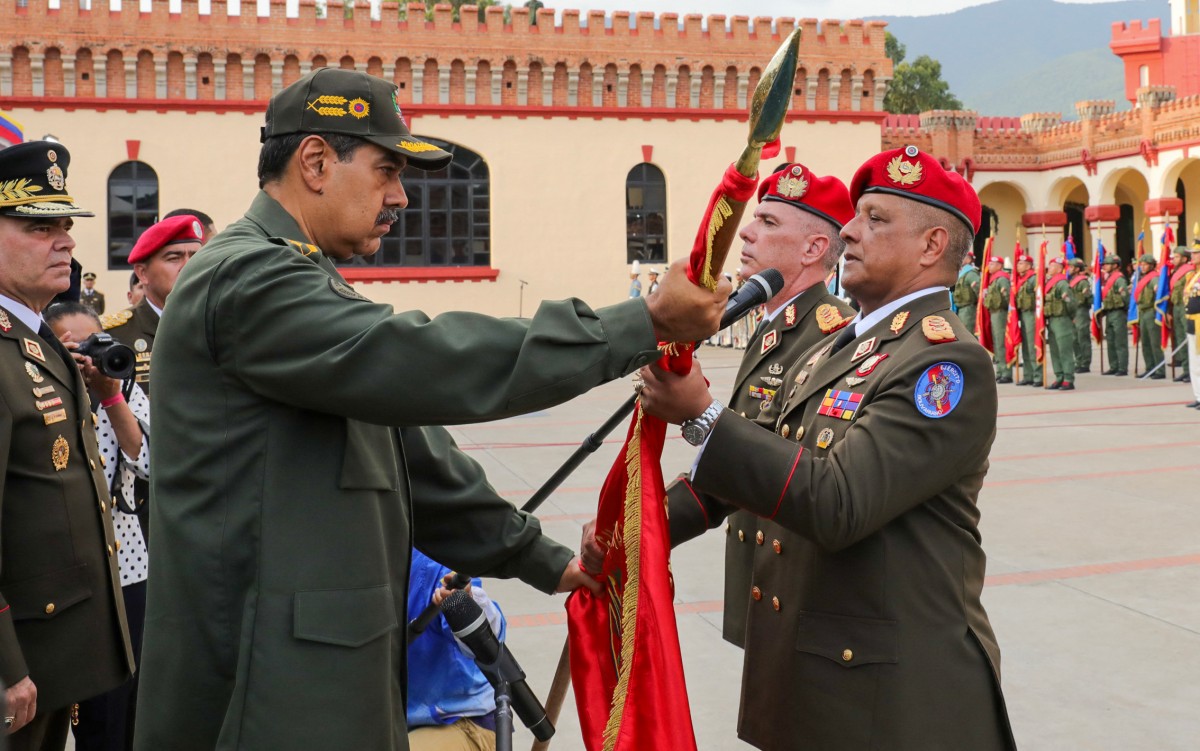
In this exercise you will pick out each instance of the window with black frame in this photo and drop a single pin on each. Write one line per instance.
(447, 222)
(132, 208)
(645, 215)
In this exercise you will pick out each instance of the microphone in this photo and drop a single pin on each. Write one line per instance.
(756, 291)
(469, 624)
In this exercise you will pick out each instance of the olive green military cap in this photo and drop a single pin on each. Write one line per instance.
(1147, 258)
(1078, 263)
(1184, 252)
(351, 103)
(33, 181)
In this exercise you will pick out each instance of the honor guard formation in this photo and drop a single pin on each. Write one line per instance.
(301, 454)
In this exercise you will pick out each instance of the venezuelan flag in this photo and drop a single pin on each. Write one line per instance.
(11, 130)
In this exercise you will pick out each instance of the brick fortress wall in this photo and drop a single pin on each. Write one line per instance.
(651, 63)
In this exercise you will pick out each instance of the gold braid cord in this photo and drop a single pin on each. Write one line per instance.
(632, 539)
(721, 211)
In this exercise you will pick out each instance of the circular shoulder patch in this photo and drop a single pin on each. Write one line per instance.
(939, 390)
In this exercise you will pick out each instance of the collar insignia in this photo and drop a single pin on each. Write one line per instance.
(775, 369)
(34, 350)
(869, 364)
(789, 315)
(770, 339)
(5, 321)
(898, 321)
(864, 349)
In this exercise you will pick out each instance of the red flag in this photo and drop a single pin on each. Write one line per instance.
(1039, 308)
(1012, 328)
(1163, 301)
(1097, 290)
(625, 660)
(983, 316)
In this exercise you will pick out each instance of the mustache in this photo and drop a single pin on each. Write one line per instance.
(388, 216)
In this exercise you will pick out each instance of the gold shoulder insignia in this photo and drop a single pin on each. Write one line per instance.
(306, 249)
(830, 319)
(113, 320)
(937, 330)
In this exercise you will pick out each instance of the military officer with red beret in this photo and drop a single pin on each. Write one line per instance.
(865, 628)
(157, 257)
(63, 636)
(796, 231)
(1059, 306)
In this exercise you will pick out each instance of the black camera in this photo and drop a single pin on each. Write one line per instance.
(110, 357)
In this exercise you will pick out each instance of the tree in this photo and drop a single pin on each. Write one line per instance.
(534, 6)
(917, 86)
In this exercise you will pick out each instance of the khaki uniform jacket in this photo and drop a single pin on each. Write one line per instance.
(866, 629)
(775, 346)
(285, 502)
(135, 328)
(62, 619)
(95, 300)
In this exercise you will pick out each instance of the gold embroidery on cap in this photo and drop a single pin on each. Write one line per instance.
(328, 99)
(416, 146)
(904, 173)
(18, 190)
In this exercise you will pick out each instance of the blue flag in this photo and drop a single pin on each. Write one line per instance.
(1069, 249)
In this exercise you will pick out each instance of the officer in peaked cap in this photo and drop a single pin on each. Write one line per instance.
(294, 462)
(90, 296)
(158, 256)
(795, 230)
(63, 636)
(867, 546)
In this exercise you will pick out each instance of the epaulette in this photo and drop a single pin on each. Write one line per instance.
(113, 320)
(937, 330)
(830, 319)
(305, 249)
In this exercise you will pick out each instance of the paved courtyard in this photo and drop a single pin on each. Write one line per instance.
(1090, 519)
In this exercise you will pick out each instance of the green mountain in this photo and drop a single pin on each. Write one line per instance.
(1016, 56)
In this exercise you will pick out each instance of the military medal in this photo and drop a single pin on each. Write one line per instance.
(5, 322)
(40, 391)
(869, 364)
(937, 330)
(801, 377)
(789, 315)
(57, 415)
(817, 356)
(775, 369)
(770, 339)
(854, 380)
(864, 349)
(898, 321)
(33, 372)
(140, 345)
(48, 403)
(60, 452)
(772, 381)
(33, 349)
(841, 405)
(824, 438)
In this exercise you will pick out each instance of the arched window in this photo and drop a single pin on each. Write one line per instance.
(447, 222)
(646, 215)
(132, 207)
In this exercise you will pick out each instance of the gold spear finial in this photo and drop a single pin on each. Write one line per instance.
(769, 103)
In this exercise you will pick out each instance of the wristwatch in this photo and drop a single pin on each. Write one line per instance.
(696, 430)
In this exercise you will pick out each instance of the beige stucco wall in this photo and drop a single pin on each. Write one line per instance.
(557, 185)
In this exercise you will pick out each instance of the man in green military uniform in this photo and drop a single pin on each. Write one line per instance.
(865, 627)
(63, 636)
(1179, 278)
(157, 257)
(995, 299)
(1059, 308)
(966, 293)
(1149, 333)
(296, 454)
(1081, 289)
(89, 295)
(1031, 369)
(1114, 306)
(794, 230)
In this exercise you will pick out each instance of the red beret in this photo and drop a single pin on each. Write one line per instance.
(796, 185)
(910, 173)
(1025, 258)
(1060, 260)
(178, 229)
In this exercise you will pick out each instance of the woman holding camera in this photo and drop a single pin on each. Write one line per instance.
(122, 414)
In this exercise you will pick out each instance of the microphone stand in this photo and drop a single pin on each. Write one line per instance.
(504, 720)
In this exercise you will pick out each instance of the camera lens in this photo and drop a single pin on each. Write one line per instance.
(116, 362)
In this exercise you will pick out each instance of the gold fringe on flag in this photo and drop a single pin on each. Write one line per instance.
(632, 540)
(721, 211)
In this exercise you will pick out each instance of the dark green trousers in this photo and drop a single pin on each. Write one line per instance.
(1062, 347)
(967, 314)
(1151, 337)
(1031, 369)
(1116, 336)
(999, 322)
(1083, 338)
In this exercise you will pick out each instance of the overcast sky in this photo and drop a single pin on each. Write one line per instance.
(839, 9)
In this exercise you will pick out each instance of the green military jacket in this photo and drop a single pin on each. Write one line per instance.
(1180, 276)
(135, 328)
(1117, 297)
(95, 300)
(1027, 293)
(966, 289)
(775, 346)
(1081, 289)
(865, 628)
(1059, 300)
(296, 462)
(62, 619)
(1148, 295)
(998, 292)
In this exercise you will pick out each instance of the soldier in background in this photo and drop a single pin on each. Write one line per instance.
(89, 295)
(1081, 288)
(1059, 307)
(136, 292)
(1179, 280)
(1191, 307)
(966, 293)
(653, 281)
(1146, 295)
(995, 300)
(1114, 304)
(1031, 369)
(206, 221)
